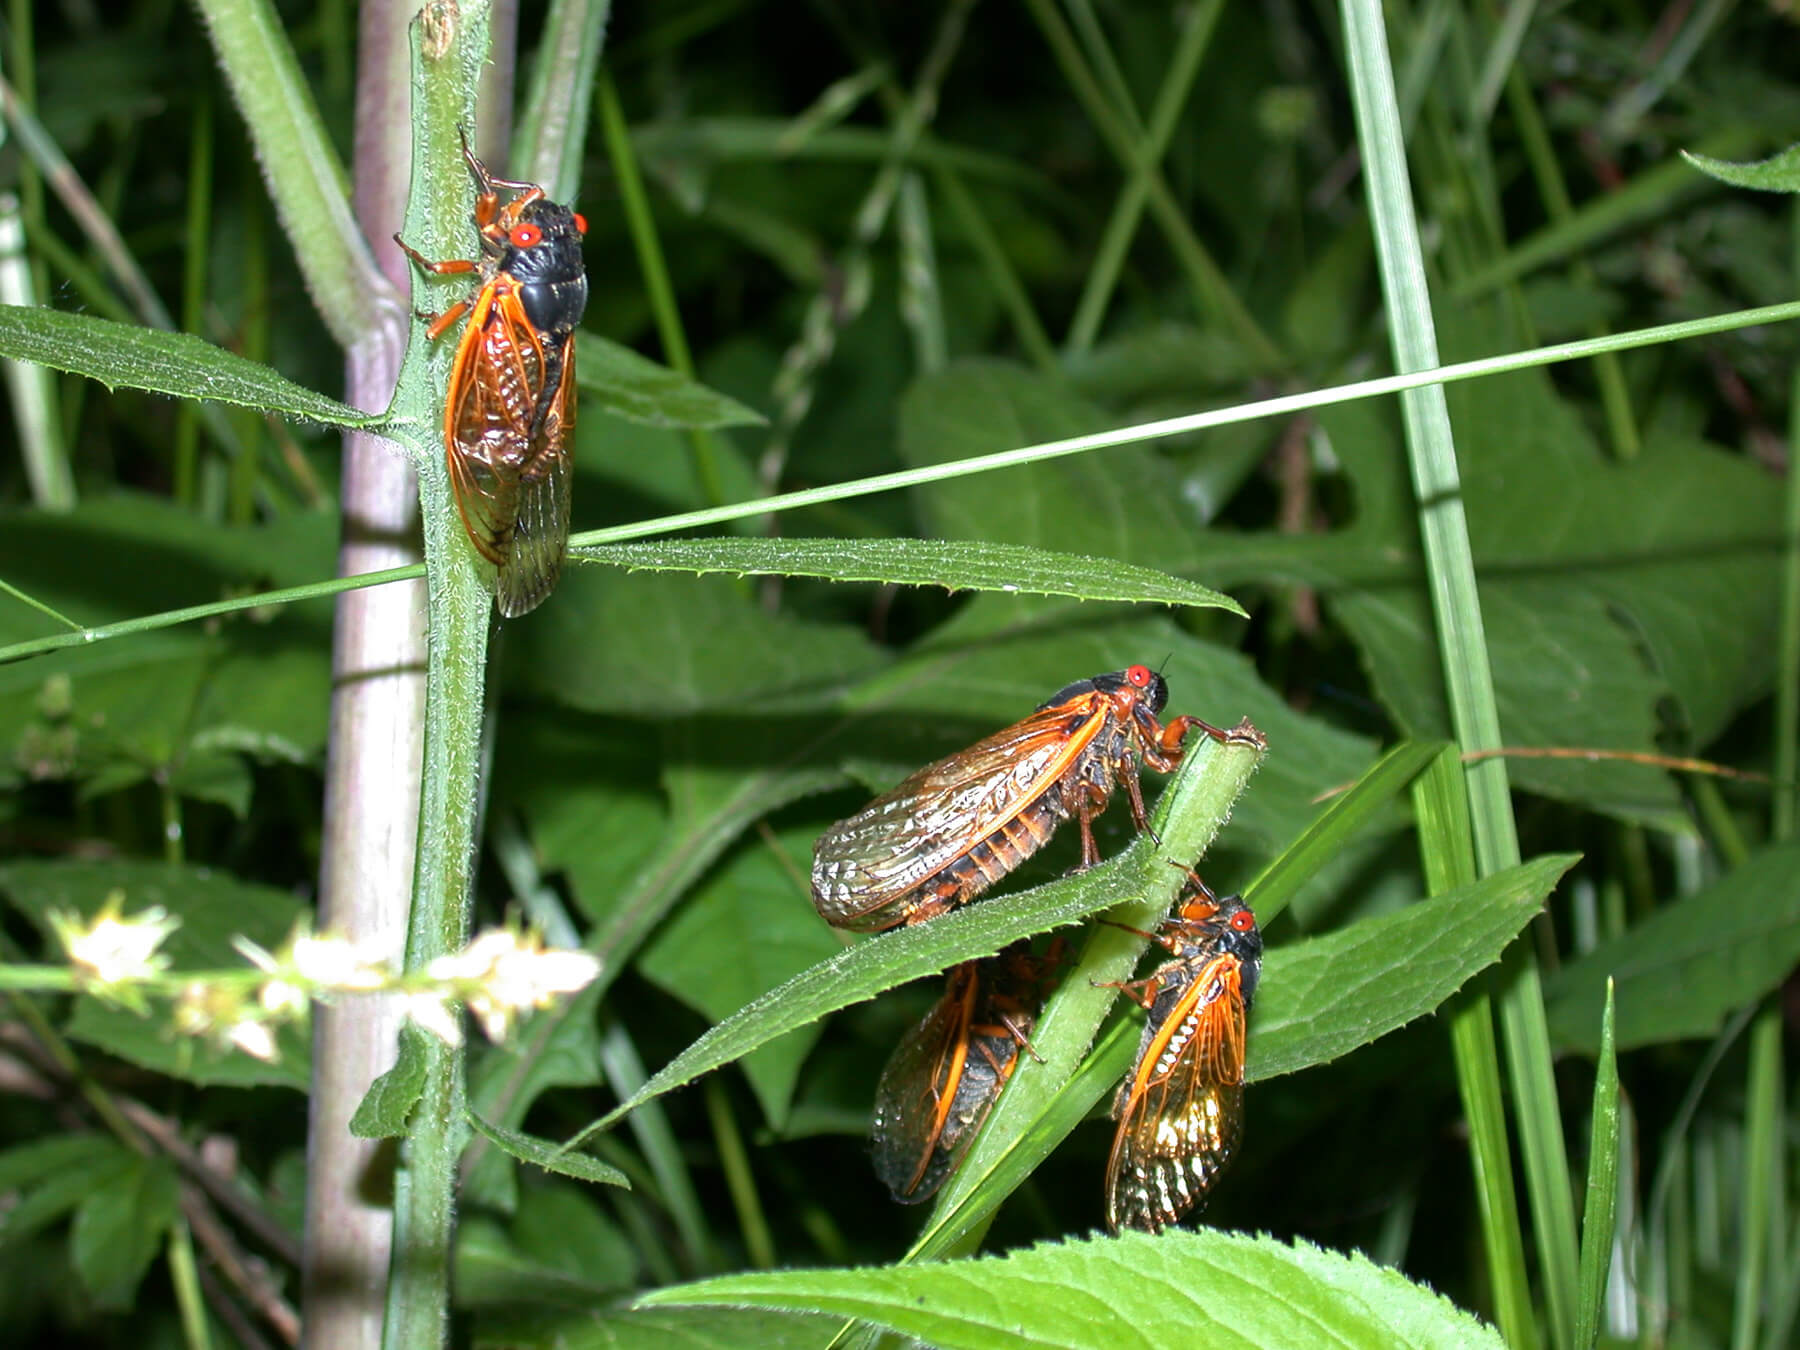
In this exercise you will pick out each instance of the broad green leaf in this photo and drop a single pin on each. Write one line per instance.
(125, 356)
(67, 1181)
(695, 645)
(1606, 586)
(748, 927)
(119, 1229)
(387, 1106)
(560, 1249)
(173, 703)
(615, 379)
(1381, 973)
(214, 907)
(1123, 503)
(1179, 1289)
(656, 1329)
(549, 1156)
(1777, 173)
(1213, 777)
(1683, 970)
(954, 565)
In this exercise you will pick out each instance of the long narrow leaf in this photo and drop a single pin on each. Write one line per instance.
(954, 565)
(1597, 1222)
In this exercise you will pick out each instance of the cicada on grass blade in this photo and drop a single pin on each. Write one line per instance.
(509, 411)
(955, 827)
(1181, 1111)
(948, 1070)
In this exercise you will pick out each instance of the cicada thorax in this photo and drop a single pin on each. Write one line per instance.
(1180, 1110)
(954, 828)
(509, 410)
(948, 1070)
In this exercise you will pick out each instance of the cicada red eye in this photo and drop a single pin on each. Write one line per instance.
(951, 830)
(509, 410)
(1180, 1110)
(580, 223)
(947, 1071)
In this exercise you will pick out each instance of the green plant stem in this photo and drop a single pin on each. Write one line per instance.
(552, 130)
(306, 182)
(1128, 210)
(759, 1243)
(1212, 292)
(458, 610)
(184, 1274)
(1441, 806)
(1462, 646)
(1760, 1203)
(641, 221)
(1546, 170)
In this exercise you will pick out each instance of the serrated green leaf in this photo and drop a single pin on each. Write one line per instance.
(1684, 969)
(1778, 173)
(1212, 774)
(698, 645)
(549, 1156)
(1377, 975)
(125, 356)
(953, 564)
(656, 1329)
(119, 1229)
(1179, 1289)
(66, 1176)
(615, 379)
(387, 1105)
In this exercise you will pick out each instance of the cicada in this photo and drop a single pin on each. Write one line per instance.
(956, 827)
(948, 1070)
(1181, 1112)
(509, 411)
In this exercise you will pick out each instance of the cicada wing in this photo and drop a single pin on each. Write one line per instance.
(487, 417)
(544, 481)
(924, 824)
(1181, 1112)
(918, 1090)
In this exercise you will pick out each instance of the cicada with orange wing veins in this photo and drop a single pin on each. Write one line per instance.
(954, 828)
(1181, 1112)
(509, 411)
(948, 1070)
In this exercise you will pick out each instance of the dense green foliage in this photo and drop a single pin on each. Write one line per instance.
(895, 240)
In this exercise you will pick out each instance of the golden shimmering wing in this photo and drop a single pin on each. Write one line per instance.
(1181, 1111)
(544, 478)
(910, 834)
